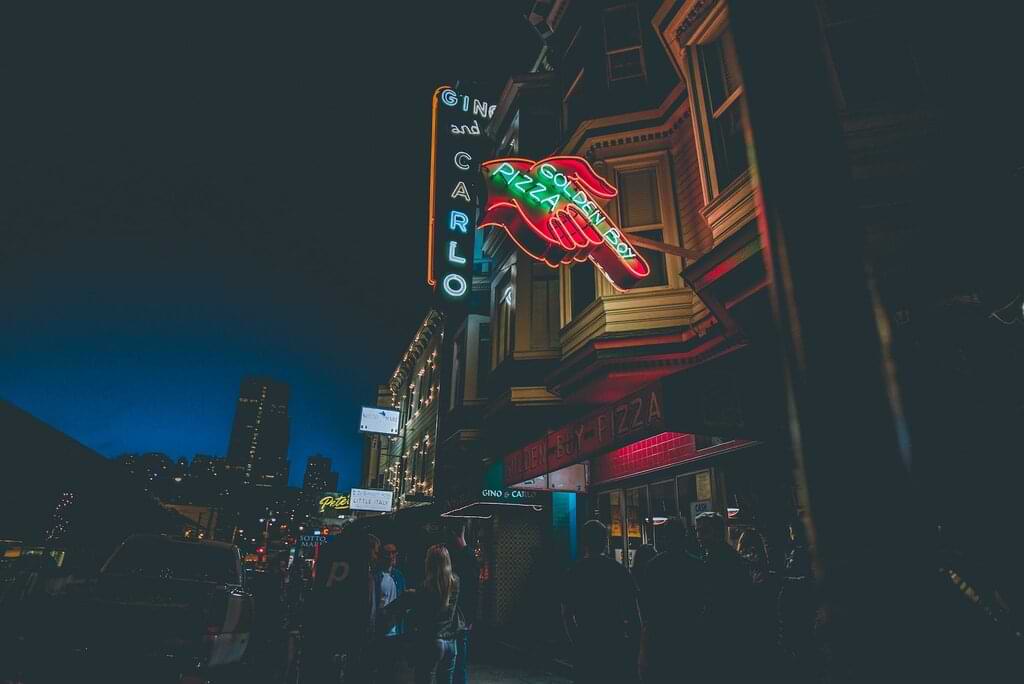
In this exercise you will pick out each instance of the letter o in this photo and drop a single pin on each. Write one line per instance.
(449, 97)
(454, 285)
(565, 181)
(462, 160)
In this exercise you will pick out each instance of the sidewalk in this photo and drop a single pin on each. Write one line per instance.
(491, 663)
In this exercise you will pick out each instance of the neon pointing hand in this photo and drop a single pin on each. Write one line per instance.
(548, 209)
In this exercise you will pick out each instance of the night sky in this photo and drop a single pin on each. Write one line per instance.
(195, 194)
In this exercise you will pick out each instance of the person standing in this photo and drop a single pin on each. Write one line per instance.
(731, 615)
(467, 568)
(673, 597)
(643, 556)
(388, 651)
(600, 612)
(433, 618)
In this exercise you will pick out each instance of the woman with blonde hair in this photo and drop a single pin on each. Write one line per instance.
(433, 618)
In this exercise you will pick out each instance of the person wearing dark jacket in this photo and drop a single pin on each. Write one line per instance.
(432, 618)
(600, 613)
(673, 596)
(730, 613)
(467, 568)
(644, 555)
(764, 598)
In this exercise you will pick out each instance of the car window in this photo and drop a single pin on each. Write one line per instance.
(175, 560)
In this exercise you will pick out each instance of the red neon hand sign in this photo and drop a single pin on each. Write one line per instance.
(548, 209)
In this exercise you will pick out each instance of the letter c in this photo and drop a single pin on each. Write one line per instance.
(449, 97)
(462, 160)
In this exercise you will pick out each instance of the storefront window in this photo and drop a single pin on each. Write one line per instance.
(636, 515)
(695, 494)
(663, 506)
(609, 511)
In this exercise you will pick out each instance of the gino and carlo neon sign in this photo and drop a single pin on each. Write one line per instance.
(457, 144)
(548, 208)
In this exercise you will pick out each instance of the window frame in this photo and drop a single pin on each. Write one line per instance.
(639, 47)
(669, 226)
(703, 117)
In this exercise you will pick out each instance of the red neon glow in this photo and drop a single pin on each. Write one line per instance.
(548, 209)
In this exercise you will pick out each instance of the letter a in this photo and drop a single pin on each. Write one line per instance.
(458, 221)
(461, 191)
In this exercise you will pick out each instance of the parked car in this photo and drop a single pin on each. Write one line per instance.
(180, 607)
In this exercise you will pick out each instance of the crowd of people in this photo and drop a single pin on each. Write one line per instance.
(693, 607)
(361, 620)
(686, 608)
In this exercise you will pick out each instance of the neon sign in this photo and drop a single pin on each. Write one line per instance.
(455, 153)
(549, 209)
(334, 502)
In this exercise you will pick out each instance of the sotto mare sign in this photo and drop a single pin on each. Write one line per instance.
(457, 148)
(637, 416)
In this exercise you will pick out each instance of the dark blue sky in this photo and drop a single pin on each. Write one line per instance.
(194, 195)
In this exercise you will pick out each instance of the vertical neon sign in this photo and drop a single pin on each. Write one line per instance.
(456, 150)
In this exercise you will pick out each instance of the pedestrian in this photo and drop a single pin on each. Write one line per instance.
(797, 609)
(343, 585)
(433, 618)
(730, 611)
(467, 568)
(386, 643)
(764, 597)
(391, 552)
(600, 612)
(644, 555)
(673, 597)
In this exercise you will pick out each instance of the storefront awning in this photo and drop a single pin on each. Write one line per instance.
(729, 397)
(491, 501)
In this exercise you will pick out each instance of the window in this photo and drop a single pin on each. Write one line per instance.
(663, 506)
(723, 90)
(609, 511)
(504, 307)
(622, 43)
(640, 214)
(544, 308)
(636, 514)
(583, 287)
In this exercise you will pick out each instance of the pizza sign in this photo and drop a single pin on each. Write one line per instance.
(550, 209)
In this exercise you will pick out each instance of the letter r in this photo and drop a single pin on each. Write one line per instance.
(458, 220)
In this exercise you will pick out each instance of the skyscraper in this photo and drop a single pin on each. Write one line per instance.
(319, 478)
(258, 450)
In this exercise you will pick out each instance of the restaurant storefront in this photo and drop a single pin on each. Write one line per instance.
(697, 441)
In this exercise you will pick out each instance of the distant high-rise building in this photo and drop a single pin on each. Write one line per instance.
(258, 450)
(319, 478)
